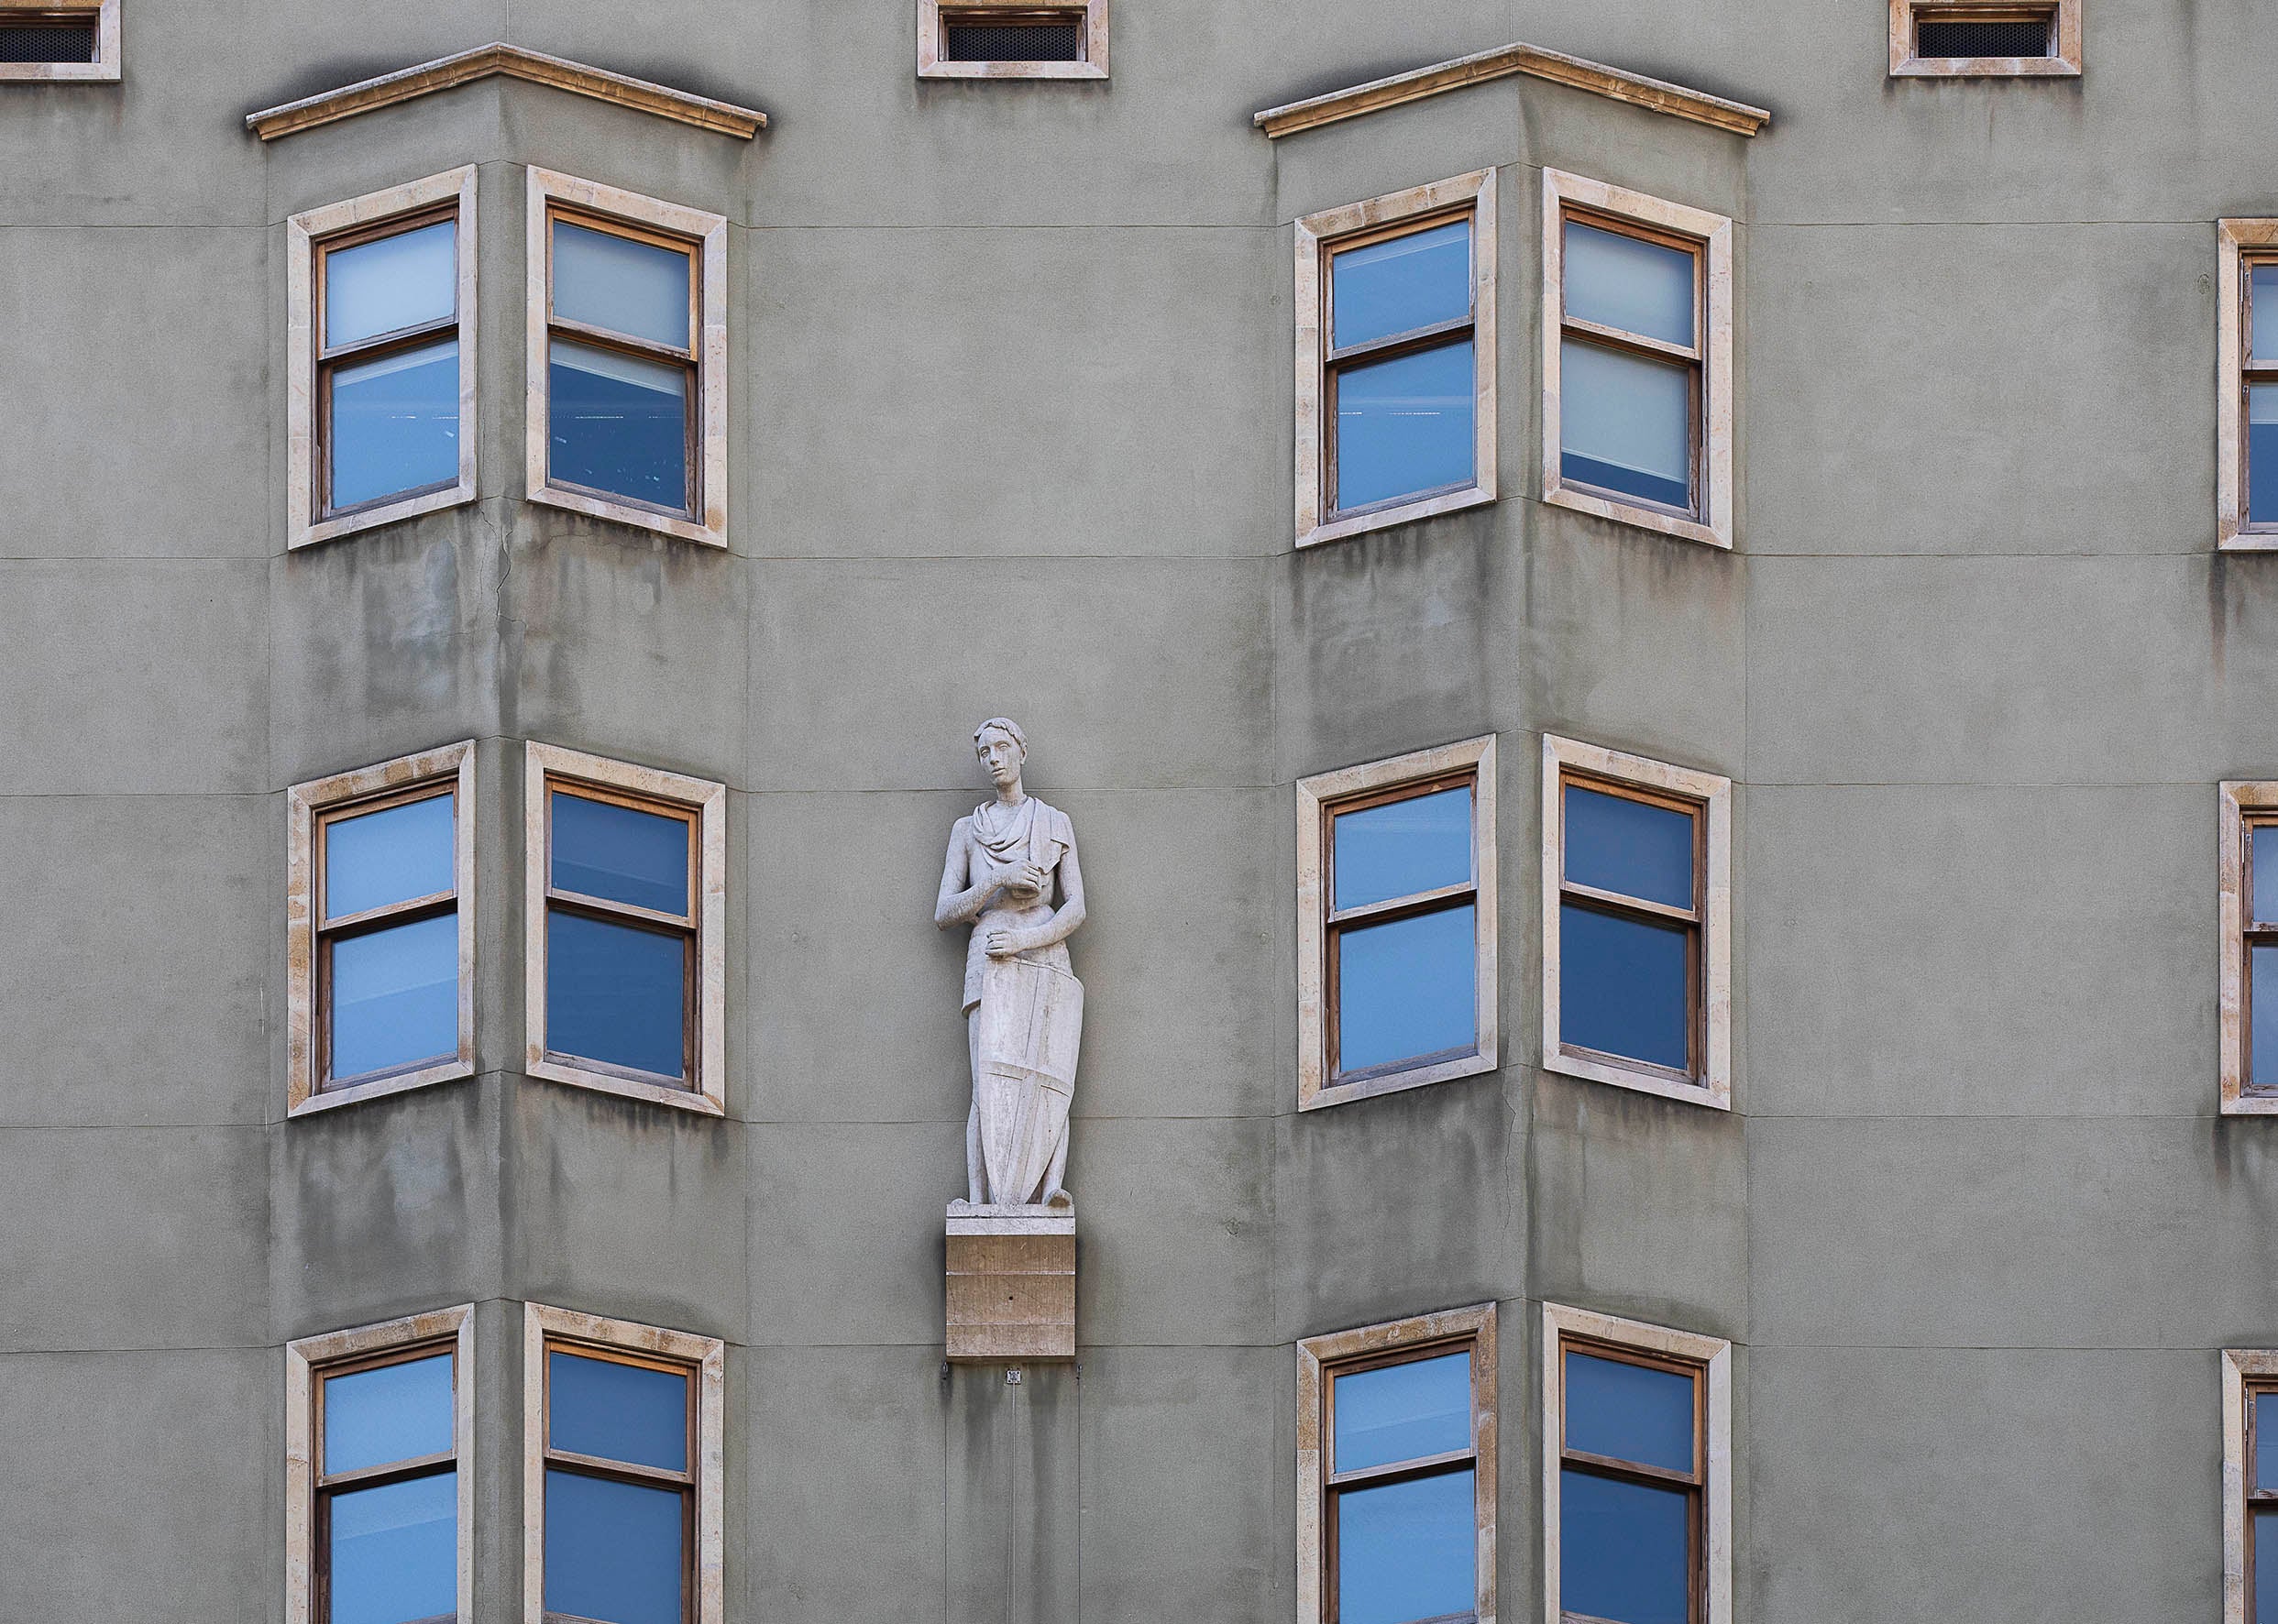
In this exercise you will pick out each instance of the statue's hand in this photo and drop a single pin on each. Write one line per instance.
(1026, 879)
(1004, 944)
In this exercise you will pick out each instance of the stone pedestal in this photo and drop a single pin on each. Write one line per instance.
(1011, 1283)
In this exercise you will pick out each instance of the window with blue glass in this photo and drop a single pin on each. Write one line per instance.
(1632, 361)
(387, 364)
(2259, 508)
(386, 1531)
(621, 1511)
(387, 936)
(1629, 948)
(1633, 1477)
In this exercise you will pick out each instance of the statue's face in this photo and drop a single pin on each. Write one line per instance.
(1001, 753)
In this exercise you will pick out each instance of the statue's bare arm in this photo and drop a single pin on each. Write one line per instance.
(1064, 923)
(959, 904)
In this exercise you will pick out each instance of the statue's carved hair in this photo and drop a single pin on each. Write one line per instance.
(1003, 724)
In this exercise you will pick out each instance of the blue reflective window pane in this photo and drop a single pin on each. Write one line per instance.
(390, 283)
(1629, 846)
(1406, 989)
(2262, 302)
(1623, 1550)
(618, 425)
(1630, 284)
(615, 993)
(1403, 846)
(1401, 284)
(2266, 1440)
(613, 1550)
(395, 996)
(1626, 422)
(2264, 861)
(618, 1412)
(393, 1413)
(2263, 999)
(2265, 1566)
(391, 855)
(394, 424)
(2261, 452)
(620, 853)
(613, 282)
(1622, 986)
(1407, 1550)
(394, 1551)
(1403, 1412)
(1628, 1413)
(1405, 425)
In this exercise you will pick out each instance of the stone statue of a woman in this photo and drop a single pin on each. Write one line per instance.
(1024, 1008)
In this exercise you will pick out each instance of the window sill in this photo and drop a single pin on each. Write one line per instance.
(348, 524)
(1392, 1083)
(1353, 524)
(703, 1102)
(1984, 68)
(2246, 1104)
(1560, 495)
(2249, 540)
(1708, 1095)
(1011, 71)
(59, 72)
(380, 1087)
(711, 534)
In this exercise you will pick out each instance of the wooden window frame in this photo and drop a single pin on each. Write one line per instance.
(104, 69)
(934, 17)
(1708, 1360)
(702, 805)
(308, 1362)
(1319, 799)
(309, 237)
(1320, 236)
(2243, 805)
(1320, 1359)
(1709, 237)
(1708, 1080)
(2064, 62)
(309, 807)
(702, 1360)
(704, 237)
(2241, 245)
(2245, 1372)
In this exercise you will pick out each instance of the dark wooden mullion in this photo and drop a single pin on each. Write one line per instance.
(1428, 336)
(1423, 1465)
(1622, 338)
(388, 1472)
(1391, 907)
(600, 1466)
(1610, 1466)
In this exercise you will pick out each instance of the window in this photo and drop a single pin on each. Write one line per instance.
(379, 929)
(622, 1472)
(1396, 924)
(1396, 359)
(381, 319)
(1636, 923)
(1636, 1473)
(627, 928)
(52, 43)
(1637, 359)
(380, 1491)
(1984, 38)
(2246, 413)
(2247, 999)
(958, 40)
(1396, 1472)
(628, 342)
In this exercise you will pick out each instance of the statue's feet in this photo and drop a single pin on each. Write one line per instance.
(1059, 1200)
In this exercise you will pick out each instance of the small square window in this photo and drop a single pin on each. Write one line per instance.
(1636, 923)
(960, 39)
(51, 44)
(1636, 1471)
(379, 1493)
(1985, 38)
(1395, 304)
(627, 928)
(621, 1436)
(1396, 924)
(2248, 995)
(379, 928)
(381, 323)
(627, 358)
(1396, 1470)
(1637, 359)
(2246, 413)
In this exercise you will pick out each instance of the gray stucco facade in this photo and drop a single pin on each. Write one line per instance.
(1010, 381)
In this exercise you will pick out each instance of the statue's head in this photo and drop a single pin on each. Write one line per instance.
(1002, 747)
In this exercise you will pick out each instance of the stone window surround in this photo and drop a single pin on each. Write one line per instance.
(2242, 800)
(304, 804)
(1315, 237)
(104, 69)
(304, 1359)
(1905, 64)
(707, 238)
(1563, 192)
(709, 802)
(305, 525)
(1315, 796)
(931, 65)
(2235, 241)
(1713, 1355)
(2240, 1367)
(1562, 757)
(705, 1359)
(1316, 1358)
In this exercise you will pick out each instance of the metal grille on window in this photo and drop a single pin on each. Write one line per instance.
(1957, 38)
(64, 41)
(1014, 42)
